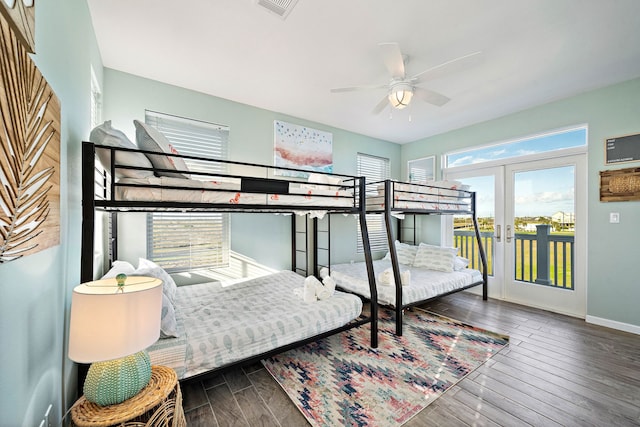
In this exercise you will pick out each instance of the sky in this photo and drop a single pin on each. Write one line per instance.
(537, 192)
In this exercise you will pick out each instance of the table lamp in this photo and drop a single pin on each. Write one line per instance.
(112, 322)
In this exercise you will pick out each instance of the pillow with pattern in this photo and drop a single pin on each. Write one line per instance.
(436, 258)
(406, 253)
(168, 322)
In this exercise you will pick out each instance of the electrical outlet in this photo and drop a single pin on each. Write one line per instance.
(614, 217)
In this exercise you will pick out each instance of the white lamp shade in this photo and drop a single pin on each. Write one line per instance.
(108, 323)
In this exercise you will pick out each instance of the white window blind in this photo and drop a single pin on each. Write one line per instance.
(180, 241)
(373, 169)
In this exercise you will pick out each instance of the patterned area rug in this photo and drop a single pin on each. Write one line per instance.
(341, 381)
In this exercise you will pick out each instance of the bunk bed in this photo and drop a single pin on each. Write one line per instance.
(431, 271)
(246, 322)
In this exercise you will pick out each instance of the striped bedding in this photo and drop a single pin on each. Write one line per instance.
(220, 325)
(424, 283)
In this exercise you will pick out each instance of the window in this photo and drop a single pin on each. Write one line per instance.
(373, 169)
(421, 170)
(181, 241)
(541, 143)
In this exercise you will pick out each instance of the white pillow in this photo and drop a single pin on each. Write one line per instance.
(117, 268)
(460, 263)
(435, 257)
(104, 134)
(151, 139)
(319, 178)
(406, 253)
(150, 268)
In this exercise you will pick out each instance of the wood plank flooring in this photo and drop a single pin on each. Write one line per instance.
(556, 371)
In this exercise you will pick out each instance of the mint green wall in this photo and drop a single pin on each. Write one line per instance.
(34, 370)
(612, 289)
(250, 140)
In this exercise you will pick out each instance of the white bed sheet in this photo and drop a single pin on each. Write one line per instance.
(195, 191)
(376, 203)
(221, 325)
(424, 283)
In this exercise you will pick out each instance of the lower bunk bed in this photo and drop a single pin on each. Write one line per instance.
(413, 274)
(212, 327)
(219, 326)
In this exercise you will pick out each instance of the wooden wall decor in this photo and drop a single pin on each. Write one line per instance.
(621, 185)
(29, 153)
(21, 15)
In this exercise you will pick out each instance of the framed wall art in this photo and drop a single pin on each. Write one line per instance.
(301, 147)
(21, 17)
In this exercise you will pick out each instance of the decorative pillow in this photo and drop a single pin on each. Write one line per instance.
(104, 134)
(460, 263)
(152, 269)
(117, 268)
(435, 257)
(168, 323)
(151, 139)
(406, 253)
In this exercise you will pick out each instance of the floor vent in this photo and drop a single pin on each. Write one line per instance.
(282, 8)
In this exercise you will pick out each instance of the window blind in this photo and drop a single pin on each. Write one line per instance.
(374, 169)
(180, 241)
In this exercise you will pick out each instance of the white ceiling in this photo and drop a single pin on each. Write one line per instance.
(533, 52)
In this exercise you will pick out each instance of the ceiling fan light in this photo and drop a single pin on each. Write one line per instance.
(400, 98)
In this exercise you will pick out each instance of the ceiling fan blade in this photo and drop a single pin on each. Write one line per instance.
(430, 96)
(393, 60)
(452, 66)
(354, 88)
(381, 105)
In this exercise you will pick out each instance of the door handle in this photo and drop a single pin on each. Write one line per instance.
(508, 233)
(498, 233)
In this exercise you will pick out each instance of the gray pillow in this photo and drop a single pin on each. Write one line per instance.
(104, 134)
(151, 139)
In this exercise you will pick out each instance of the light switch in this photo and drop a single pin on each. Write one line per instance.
(614, 217)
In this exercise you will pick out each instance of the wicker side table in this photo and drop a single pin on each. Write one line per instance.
(159, 403)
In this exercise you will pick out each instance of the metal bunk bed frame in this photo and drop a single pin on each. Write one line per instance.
(389, 208)
(93, 179)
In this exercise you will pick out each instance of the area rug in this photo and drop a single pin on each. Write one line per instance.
(341, 381)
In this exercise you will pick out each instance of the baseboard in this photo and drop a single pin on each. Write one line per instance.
(626, 327)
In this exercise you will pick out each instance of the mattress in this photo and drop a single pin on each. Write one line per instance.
(424, 283)
(219, 325)
(170, 189)
(433, 196)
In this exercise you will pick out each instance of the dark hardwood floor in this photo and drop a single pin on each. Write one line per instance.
(556, 371)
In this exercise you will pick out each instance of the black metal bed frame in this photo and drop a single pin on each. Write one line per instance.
(463, 200)
(98, 194)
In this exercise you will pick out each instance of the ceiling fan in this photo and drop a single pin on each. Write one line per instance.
(401, 88)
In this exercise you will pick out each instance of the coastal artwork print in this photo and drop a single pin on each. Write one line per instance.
(301, 147)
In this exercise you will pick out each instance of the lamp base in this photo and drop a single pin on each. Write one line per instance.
(115, 381)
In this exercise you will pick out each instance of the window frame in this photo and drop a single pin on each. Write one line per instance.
(190, 137)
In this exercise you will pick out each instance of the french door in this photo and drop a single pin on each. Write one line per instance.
(533, 218)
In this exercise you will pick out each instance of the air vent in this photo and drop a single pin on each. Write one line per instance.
(282, 8)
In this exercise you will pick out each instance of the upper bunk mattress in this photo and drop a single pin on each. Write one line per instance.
(169, 189)
(219, 325)
(433, 196)
(425, 283)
